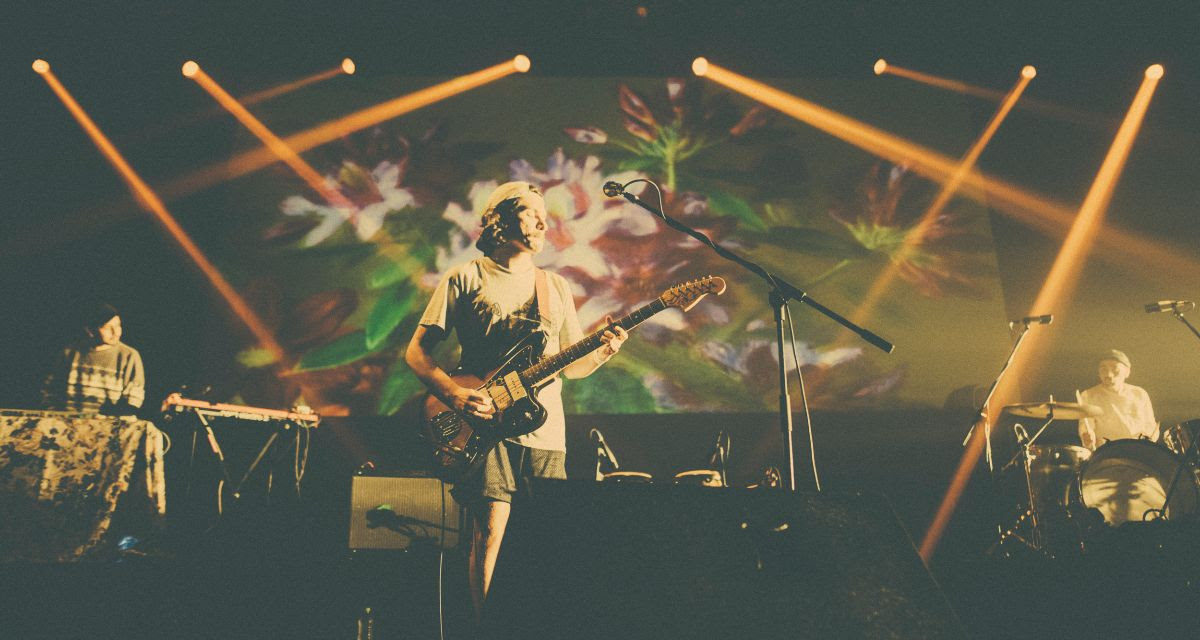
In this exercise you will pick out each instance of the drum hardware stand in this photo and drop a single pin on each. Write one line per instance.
(779, 292)
(1184, 462)
(1026, 457)
(1177, 309)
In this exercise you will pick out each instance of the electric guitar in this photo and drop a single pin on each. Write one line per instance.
(460, 442)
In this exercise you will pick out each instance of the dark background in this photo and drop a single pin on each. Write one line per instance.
(70, 233)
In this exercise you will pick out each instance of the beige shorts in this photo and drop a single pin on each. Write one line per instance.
(505, 469)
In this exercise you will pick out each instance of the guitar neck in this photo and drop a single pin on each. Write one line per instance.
(551, 365)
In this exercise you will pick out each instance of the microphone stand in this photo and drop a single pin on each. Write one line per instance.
(780, 292)
(981, 414)
(1179, 314)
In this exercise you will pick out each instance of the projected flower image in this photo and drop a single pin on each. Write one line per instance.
(412, 210)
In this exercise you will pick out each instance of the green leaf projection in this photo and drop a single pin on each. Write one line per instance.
(348, 283)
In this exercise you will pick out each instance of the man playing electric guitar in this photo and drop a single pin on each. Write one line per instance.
(493, 303)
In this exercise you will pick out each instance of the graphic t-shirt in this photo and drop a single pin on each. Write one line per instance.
(491, 308)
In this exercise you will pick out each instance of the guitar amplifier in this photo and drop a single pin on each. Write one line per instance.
(390, 512)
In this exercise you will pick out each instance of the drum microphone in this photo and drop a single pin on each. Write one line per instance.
(602, 448)
(613, 189)
(1174, 306)
(1029, 320)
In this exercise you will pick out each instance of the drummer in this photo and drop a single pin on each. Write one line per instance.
(1126, 410)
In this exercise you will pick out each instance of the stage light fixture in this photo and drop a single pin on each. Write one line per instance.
(880, 66)
(521, 63)
(1154, 71)
(348, 66)
(190, 68)
(1028, 71)
(700, 66)
(41, 66)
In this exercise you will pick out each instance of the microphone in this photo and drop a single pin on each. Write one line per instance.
(613, 189)
(1028, 320)
(1174, 306)
(1021, 433)
(602, 448)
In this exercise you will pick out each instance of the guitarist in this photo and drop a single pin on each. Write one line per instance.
(494, 302)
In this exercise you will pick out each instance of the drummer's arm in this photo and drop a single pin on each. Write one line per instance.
(1150, 425)
(1087, 430)
(1087, 434)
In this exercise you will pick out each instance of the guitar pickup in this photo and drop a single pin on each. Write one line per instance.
(516, 389)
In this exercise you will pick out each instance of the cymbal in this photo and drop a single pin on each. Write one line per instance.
(1056, 410)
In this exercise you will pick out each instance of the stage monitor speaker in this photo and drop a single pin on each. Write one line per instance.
(587, 560)
(398, 512)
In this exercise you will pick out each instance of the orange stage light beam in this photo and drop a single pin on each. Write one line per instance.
(1040, 106)
(272, 141)
(1056, 289)
(948, 190)
(148, 199)
(288, 87)
(1036, 210)
(150, 132)
(254, 160)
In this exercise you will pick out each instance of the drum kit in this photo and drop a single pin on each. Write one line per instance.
(1070, 493)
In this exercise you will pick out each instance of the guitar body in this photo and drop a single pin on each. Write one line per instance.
(460, 442)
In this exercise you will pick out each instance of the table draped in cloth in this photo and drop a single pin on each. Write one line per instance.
(62, 475)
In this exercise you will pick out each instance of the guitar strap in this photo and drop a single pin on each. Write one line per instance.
(541, 290)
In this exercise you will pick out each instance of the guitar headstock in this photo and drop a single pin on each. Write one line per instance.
(685, 295)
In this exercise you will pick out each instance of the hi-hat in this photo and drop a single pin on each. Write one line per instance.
(1056, 410)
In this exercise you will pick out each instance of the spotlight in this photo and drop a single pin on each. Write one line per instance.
(348, 66)
(190, 68)
(880, 66)
(521, 63)
(1028, 71)
(41, 66)
(1154, 71)
(700, 66)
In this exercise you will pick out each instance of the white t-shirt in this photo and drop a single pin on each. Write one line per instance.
(492, 308)
(1127, 414)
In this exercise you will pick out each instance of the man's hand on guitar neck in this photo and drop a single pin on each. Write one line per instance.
(470, 401)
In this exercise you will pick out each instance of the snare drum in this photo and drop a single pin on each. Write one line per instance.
(1127, 480)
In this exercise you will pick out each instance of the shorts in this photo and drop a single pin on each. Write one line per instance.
(504, 470)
